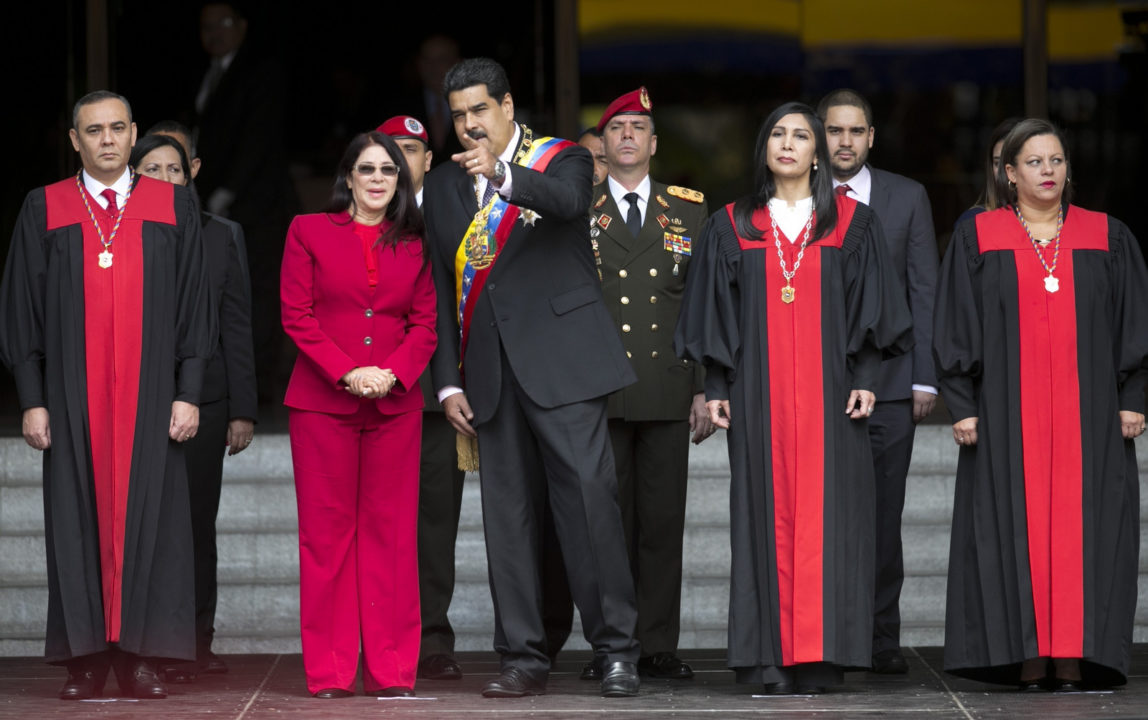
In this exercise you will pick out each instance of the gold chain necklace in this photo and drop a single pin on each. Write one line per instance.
(105, 258)
(789, 292)
(1051, 283)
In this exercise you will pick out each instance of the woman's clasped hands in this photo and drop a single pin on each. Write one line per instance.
(369, 382)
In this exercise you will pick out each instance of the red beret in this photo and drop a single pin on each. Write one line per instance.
(636, 102)
(404, 126)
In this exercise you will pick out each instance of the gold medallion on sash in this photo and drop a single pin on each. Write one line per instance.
(476, 244)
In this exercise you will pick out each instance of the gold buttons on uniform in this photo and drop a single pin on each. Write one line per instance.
(628, 354)
(653, 272)
(654, 327)
(654, 354)
(367, 340)
(625, 327)
(625, 300)
(368, 312)
(622, 273)
(653, 299)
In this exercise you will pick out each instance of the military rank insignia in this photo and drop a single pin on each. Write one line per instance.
(662, 201)
(663, 221)
(685, 194)
(601, 201)
(678, 244)
(604, 221)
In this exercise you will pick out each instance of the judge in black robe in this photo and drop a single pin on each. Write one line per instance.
(1043, 560)
(44, 343)
(802, 488)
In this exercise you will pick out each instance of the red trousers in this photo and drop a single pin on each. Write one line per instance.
(357, 487)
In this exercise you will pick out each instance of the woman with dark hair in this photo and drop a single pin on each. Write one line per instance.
(989, 199)
(790, 305)
(1040, 338)
(358, 301)
(228, 400)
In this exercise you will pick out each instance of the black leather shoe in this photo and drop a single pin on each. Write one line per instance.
(212, 663)
(665, 665)
(138, 679)
(890, 662)
(394, 692)
(85, 680)
(785, 687)
(1031, 686)
(620, 680)
(179, 673)
(591, 671)
(512, 683)
(1067, 686)
(333, 693)
(439, 667)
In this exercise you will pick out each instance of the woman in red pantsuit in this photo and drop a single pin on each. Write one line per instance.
(358, 302)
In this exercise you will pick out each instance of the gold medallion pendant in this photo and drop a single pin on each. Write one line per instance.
(105, 260)
(1051, 283)
(787, 294)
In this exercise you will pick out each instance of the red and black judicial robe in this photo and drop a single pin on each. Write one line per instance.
(107, 351)
(1043, 560)
(801, 494)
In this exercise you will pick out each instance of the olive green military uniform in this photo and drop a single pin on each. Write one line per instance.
(642, 280)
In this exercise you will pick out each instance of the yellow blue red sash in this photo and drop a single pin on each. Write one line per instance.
(490, 228)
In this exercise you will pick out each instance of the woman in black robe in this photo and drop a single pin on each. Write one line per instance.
(810, 325)
(1040, 338)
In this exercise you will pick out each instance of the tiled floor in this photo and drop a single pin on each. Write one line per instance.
(260, 687)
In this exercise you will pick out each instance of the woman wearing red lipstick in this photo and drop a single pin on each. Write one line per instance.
(358, 301)
(1040, 339)
(789, 305)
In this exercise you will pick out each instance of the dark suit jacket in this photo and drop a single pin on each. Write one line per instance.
(542, 302)
(641, 270)
(339, 323)
(230, 372)
(241, 140)
(907, 218)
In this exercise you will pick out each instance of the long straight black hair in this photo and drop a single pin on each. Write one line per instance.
(402, 211)
(820, 180)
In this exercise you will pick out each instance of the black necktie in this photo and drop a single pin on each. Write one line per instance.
(633, 215)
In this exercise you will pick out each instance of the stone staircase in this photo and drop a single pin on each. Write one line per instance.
(258, 551)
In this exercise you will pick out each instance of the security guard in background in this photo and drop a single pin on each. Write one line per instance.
(642, 232)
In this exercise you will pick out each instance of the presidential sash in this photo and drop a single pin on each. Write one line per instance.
(490, 228)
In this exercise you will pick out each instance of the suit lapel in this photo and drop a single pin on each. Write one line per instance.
(879, 201)
(650, 236)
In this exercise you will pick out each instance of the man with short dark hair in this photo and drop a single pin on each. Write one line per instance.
(107, 327)
(526, 358)
(643, 230)
(906, 390)
(591, 139)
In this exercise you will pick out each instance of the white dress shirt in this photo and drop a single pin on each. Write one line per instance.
(96, 188)
(791, 219)
(618, 192)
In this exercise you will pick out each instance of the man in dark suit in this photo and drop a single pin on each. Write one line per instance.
(906, 390)
(227, 409)
(642, 230)
(240, 110)
(529, 372)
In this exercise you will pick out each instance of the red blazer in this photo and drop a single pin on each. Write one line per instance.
(339, 322)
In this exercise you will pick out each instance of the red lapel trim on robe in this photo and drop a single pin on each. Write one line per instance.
(797, 430)
(113, 340)
(1050, 420)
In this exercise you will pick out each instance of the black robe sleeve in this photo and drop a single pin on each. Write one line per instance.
(196, 318)
(707, 330)
(22, 303)
(879, 322)
(957, 343)
(1130, 329)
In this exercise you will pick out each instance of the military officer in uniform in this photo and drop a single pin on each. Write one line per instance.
(642, 232)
